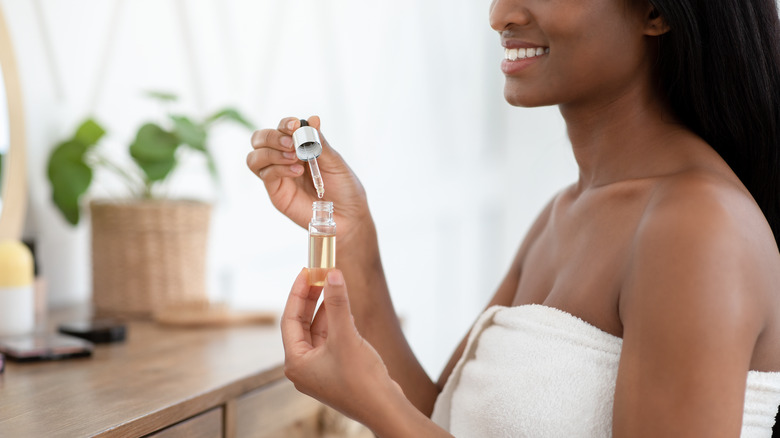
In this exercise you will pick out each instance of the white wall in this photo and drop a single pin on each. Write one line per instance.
(409, 92)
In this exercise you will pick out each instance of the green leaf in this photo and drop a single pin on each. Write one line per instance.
(212, 166)
(230, 114)
(189, 133)
(70, 177)
(194, 136)
(89, 133)
(162, 95)
(154, 149)
(157, 170)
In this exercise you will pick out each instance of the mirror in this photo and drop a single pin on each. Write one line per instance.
(13, 182)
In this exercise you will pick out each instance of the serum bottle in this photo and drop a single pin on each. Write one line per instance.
(322, 242)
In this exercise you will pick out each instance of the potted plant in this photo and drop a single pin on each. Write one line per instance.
(148, 251)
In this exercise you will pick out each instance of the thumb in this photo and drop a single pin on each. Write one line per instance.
(314, 122)
(337, 303)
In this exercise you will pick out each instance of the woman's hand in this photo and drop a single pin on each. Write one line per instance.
(327, 358)
(288, 180)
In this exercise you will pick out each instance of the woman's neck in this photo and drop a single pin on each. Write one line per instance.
(621, 137)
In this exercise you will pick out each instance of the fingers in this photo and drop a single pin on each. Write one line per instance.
(289, 124)
(319, 327)
(328, 153)
(298, 312)
(274, 153)
(272, 138)
(314, 122)
(336, 301)
(259, 160)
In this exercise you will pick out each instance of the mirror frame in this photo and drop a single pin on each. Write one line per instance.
(14, 190)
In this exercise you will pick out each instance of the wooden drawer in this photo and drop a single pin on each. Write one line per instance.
(277, 410)
(206, 425)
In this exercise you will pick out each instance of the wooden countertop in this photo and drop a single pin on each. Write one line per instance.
(158, 376)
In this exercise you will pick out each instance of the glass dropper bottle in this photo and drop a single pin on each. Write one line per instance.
(322, 242)
(308, 148)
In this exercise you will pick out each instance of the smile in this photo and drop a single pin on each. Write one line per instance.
(514, 54)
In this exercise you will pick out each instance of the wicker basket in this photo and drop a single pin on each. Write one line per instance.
(148, 255)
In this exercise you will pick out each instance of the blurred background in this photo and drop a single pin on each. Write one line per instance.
(409, 92)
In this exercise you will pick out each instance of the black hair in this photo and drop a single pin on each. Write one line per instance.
(719, 68)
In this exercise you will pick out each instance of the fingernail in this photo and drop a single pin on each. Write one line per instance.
(290, 124)
(286, 141)
(335, 278)
(296, 168)
(288, 155)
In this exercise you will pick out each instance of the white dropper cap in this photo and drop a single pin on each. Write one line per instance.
(307, 142)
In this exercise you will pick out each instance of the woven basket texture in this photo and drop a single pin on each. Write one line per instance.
(148, 255)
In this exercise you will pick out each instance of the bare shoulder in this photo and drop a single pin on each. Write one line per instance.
(704, 252)
(698, 305)
(709, 227)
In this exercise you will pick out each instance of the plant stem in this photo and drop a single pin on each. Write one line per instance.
(148, 190)
(130, 182)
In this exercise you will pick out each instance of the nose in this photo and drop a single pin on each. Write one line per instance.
(505, 13)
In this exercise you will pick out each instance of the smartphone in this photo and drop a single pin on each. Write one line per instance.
(99, 331)
(28, 348)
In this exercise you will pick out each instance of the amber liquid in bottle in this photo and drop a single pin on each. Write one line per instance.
(322, 242)
(322, 257)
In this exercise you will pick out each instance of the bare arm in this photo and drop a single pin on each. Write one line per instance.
(290, 190)
(691, 311)
(375, 316)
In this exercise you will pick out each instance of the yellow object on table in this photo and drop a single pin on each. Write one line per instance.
(17, 299)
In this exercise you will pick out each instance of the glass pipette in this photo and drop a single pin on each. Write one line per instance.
(308, 148)
(316, 177)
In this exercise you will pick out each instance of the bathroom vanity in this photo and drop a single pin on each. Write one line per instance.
(166, 382)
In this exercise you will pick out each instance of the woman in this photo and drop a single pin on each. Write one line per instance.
(657, 271)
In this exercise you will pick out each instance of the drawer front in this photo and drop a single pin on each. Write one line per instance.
(206, 425)
(277, 410)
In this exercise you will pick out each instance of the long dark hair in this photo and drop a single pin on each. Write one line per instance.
(719, 67)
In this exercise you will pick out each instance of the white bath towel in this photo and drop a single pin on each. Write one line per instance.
(536, 371)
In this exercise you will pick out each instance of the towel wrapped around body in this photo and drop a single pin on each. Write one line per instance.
(536, 371)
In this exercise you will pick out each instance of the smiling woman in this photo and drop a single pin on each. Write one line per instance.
(643, 301)
(13, 182)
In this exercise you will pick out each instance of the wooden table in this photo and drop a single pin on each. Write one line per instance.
(164, 382)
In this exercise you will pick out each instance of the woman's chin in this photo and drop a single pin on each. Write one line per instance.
(523, 100)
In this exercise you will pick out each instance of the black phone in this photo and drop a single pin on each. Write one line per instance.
(34, 347)
(99, 331)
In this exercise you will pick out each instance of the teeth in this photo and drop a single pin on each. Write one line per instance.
(514, 54)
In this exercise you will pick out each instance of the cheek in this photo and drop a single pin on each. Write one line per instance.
(590, 55)
(592, 63)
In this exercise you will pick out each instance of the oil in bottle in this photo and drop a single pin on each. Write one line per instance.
(322, 242)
